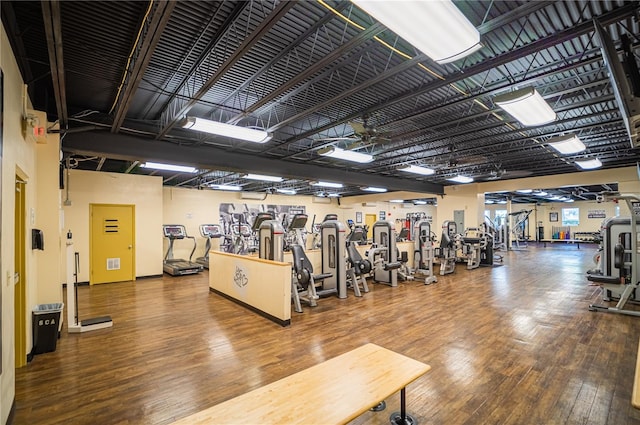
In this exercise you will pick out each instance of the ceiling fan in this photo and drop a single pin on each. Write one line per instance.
(499, 173)
(363, 134)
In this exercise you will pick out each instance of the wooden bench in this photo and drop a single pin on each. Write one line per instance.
(635, 395)
(332, 392)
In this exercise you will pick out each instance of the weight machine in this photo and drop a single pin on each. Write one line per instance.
(622, 255)
(333, 259)
(271, 240)
(383, 254)
(423, 253)
(178, 266)
(208, 231)
(446, 252)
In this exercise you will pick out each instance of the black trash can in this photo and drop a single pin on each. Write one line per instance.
(46, 327)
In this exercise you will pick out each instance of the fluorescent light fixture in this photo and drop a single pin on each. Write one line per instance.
(339, 153)
(396, 201)
(285, 191)
(227, 130)
(416, 169)
(589, 164)
(225, 187)
(488, 201)
(262, 177)
(168, 167)
(502, 202)
(542, 193)
(527, 106)
(420, 202)
(333, 195)
(374, 189)
(461, 179)
(569, 143)
(327, 184)
(524, 191)
(436, 28)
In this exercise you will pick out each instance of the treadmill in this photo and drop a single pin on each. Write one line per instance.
(178, 266)
(208, 231)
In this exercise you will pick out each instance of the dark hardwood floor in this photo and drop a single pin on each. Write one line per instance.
(513, 344)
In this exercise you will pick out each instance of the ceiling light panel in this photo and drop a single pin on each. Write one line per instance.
(436, 28)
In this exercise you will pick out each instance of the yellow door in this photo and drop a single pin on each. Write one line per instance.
(370, 220)
(112, 244)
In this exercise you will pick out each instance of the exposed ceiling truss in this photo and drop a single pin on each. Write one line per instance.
(120, 76)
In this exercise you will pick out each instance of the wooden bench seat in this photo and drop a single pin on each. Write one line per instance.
(635, 395)
(332, 392)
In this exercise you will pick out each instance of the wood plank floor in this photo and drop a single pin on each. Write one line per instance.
(513, 344)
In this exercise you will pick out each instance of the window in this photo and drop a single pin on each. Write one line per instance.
(500, 217)
(570, 216)
(487, 213)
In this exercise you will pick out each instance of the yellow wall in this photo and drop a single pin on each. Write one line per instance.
(191, 208)
(145, 192)
(38, 166)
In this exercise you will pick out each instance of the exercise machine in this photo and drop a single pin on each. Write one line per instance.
(271, 240)
(209, 232)
(383, 254)
(304, 281)
(178, 266)
(358, 270)
(423, 254)
(296, 233)
(75, 325)
(470, 245)
(620, 248)
(334, 261)
(446, 252)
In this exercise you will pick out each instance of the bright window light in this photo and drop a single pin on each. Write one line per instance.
(567, 144)
(436, 28)
(227, 130)
(527, 106)
(168, 167)
(347, 155)
(416, 169)
(461, 179)
(589, 164)
(374, 189)
(285, 191)
(327, 184)
(262, 177)
(225, 187)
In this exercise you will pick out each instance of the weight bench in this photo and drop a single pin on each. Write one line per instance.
(344, 387)
(305, 281)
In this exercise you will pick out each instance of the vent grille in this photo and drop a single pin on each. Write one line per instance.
(111, 225)
(113, 264)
